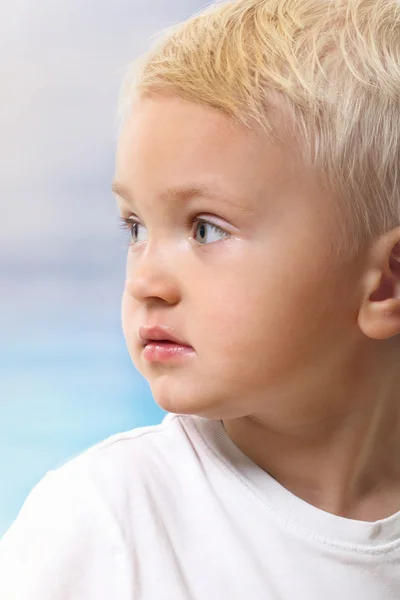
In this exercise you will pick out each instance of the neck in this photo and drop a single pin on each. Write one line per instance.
(345, 462)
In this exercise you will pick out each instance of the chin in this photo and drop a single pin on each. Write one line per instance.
(182, 406)
(206, 406)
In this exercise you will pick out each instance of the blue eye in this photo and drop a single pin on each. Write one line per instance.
(135, 229)
(208, 232)
(205, 232)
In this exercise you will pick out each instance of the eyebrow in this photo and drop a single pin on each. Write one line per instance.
(183, 193)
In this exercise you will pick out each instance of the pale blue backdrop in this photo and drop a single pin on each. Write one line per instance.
(66, 380)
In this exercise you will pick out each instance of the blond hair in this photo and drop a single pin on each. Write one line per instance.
(335, 64)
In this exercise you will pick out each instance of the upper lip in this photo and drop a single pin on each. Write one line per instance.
(159, 333)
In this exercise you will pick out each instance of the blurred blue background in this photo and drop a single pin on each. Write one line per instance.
(66, 380)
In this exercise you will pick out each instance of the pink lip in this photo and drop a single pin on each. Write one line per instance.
(166, 351)
(161, 345)
(158, 333)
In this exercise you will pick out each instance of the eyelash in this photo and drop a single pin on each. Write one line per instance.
(127, 222)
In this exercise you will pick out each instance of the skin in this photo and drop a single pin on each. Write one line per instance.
(295, 344)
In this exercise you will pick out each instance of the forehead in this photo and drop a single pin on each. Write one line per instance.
(167, 142)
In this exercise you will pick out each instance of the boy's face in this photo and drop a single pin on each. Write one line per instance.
(264, 301)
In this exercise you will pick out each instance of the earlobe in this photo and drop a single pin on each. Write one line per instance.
(379, 314)
(380, 320)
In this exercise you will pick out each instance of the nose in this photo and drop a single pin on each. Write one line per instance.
(152, 277)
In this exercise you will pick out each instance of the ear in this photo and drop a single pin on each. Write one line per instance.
(379, 314)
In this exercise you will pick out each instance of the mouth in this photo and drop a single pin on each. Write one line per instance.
(161, 345)
(166, 351)
(160, 335)
(163, 342)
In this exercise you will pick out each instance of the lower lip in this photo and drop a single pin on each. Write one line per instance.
(166, 351)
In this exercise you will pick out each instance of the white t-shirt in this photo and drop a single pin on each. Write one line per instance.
(177, 512)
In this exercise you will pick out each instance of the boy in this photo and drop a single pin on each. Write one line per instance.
(257, 174)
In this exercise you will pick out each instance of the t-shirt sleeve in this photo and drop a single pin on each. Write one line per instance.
(59, 547)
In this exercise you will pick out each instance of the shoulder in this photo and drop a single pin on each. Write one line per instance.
(122, 460)
(105, 474)
(76, 516)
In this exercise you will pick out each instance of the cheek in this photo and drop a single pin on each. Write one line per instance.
(270, 318)
(127, 318)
